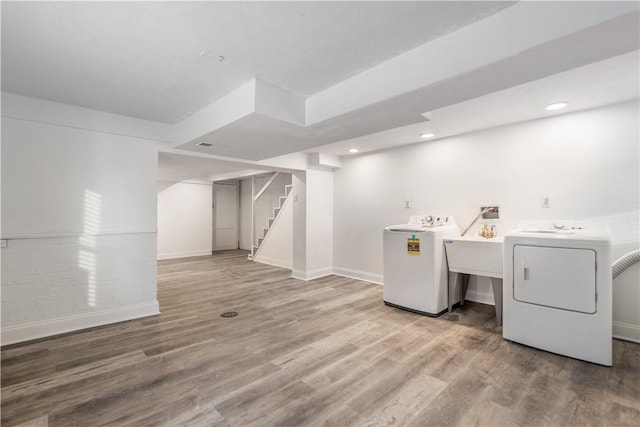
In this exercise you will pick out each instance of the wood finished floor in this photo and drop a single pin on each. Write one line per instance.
(324, 352)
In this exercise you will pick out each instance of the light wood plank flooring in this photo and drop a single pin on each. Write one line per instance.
(323, 352)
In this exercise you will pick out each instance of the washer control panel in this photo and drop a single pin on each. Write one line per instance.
(429, 220)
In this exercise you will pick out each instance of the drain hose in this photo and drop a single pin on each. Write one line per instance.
(624, 262)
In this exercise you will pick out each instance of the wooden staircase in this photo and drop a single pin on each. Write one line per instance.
(271, 220)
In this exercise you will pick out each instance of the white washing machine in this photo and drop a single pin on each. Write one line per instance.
(557, 288)
(415, 272)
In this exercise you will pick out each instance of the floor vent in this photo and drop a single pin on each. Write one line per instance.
(229, 314)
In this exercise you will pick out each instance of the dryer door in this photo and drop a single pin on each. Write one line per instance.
(555, 277)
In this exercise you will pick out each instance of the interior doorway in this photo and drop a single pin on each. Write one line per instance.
(225, 215)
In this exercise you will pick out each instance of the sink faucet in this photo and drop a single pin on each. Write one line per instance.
(484, 211)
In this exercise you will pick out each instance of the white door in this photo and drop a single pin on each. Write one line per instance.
(225, 216)
(555, 277)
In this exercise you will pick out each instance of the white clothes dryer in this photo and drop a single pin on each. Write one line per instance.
(415, 271)
(557, 288)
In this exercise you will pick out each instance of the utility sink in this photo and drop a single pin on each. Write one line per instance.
(475, 255)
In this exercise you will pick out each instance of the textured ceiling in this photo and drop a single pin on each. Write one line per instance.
(297, 76)
(141, 59)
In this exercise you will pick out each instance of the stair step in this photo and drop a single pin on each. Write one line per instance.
(270, 221)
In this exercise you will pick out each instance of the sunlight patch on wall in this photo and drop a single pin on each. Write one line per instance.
(87, 255)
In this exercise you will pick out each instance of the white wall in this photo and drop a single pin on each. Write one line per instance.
(184, 219)
(319, 197)
(299, 225)
(587, 161)
(245, 214)
(79, 213)
(312, 224)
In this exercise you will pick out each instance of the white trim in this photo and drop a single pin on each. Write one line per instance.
(319, 272)
(311, 275)
(626, 331)
(31, 331)
(359, 275)
(266, 186)
(184, 254)
(274, 262)
(24, 236)
(298, 274)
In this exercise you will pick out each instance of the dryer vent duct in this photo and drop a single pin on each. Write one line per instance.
(624, 262)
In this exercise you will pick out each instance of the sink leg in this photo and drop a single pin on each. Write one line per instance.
(465, 286)
(452, 285)
(496, 284)
(454, 279)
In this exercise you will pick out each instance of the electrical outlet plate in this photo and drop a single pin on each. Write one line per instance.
(494, 214)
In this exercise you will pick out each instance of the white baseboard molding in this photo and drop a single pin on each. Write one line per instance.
(313, 274)
(31, 331)
(274, 262)
(185, 254)
(626, 332)
(359, 275)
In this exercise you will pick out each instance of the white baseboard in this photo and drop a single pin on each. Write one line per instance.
(184, 254)
(313, 274)
(626, 332)
(359, 275)
(274, 262)
(31, 331)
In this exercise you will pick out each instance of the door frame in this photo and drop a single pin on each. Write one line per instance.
(236, 184)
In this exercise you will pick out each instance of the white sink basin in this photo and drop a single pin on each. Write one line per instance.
(475, 255)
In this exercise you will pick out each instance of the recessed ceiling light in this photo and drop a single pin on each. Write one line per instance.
(427, 135)
(556, 106)
(354, 150)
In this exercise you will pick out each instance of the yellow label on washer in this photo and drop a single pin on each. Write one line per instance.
(413, 246)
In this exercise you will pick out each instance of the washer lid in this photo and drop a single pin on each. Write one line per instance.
(408, 228)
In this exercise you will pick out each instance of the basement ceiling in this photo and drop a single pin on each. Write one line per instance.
(142, 59)
(286, 77)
